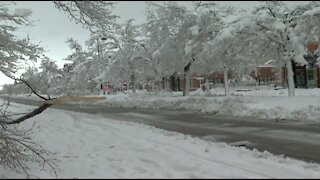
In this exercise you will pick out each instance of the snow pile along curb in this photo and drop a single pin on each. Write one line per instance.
(299, 108)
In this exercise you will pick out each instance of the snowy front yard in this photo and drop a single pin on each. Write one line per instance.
(90, 146)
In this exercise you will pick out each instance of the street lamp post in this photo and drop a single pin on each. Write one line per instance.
(100, 59)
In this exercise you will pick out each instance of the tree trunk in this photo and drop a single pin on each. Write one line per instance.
(207, 85)
(256, 75)
(128, 85)
(186, 89)
(160, 83)
(290, 79)
(157, 82)
(186, 80)
(156, 85)
(133, 80)
(226, 83)
(168, 84)
(143, 86)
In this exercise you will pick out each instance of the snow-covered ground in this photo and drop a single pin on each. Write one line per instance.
(90, 146)
(263, 103)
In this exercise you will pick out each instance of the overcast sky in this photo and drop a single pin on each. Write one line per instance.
(52, 27)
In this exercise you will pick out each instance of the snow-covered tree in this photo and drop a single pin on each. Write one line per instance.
(32, 76)
(128, 64)
(50, 77)
(93, 15)
(222, 54)
(207, 27)
(309, 24)
(187, 32)
(17, 149)
(162, 25)
(14, 52)
(100, 49)
(81, 72)
(278, 23)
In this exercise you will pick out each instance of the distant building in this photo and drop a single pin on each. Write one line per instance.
(266, 75)
(176, 82)
(306, 76)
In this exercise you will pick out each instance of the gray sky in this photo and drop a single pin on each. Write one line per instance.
(52, 27)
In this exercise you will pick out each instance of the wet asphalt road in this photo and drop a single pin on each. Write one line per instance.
(293, 139)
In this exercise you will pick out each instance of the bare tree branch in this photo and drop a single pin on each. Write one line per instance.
(94, 15)
(17, 150)
(32, 89)
(271, 12)
(29, 115)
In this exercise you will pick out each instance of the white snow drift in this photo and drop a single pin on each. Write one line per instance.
(90, 146)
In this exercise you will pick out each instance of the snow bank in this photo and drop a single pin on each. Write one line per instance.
(90, 146)
(270, 104)
(263, 103)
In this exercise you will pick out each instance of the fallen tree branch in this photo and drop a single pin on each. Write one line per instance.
(49, 103)
(29, 115)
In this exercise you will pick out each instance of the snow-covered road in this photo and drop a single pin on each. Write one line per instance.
(90, 146)
(294, 139)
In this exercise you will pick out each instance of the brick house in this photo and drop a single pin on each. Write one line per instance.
(176, 82)
(197, 81)
(305, 76)
(267, 74)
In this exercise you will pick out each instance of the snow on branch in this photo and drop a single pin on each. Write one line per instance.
(94, 15)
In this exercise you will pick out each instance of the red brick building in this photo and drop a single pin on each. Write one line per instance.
(176, 83)
(305, 76)
(267, 74)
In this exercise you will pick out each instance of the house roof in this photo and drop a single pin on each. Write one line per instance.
(270, 61)
(266, 65)
(312, 46)
(264, 71)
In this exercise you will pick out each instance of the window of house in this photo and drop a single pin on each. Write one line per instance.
(310, 74)
(300, 81)
(264, 80)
